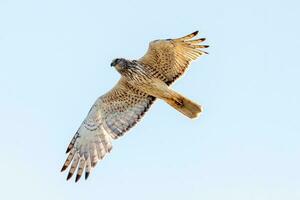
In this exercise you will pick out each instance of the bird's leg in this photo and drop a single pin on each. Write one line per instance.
(179, 102)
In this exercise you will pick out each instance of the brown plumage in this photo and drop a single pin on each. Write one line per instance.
(142, 81)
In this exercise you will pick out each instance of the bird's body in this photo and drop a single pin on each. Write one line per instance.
(142, 81)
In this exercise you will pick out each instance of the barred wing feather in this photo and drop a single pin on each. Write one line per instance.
(110, 117)
(171, 57)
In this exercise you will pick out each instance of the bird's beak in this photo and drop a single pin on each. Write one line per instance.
(112, 64)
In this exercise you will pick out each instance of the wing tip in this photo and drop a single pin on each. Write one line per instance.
(86, 175)
(69, 176)
(63, 168)
(195, 33)
(78, 176)
(68, 149)
(187, 37)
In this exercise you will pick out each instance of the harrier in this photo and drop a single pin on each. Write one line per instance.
(142, 81)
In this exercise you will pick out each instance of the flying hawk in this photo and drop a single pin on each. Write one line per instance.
(141, 82)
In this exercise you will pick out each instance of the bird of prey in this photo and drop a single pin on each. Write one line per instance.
(142, 81)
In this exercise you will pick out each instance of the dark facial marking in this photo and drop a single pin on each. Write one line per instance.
(115, 62)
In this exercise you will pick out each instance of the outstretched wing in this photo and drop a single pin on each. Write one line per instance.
(110, 117)
(171, 57)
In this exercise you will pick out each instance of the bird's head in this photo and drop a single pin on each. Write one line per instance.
(120, 64)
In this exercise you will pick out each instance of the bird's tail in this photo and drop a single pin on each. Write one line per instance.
(184, 105)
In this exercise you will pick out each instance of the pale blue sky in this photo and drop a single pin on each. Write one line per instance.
(55, 61)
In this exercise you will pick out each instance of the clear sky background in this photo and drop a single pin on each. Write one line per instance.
(55, 61)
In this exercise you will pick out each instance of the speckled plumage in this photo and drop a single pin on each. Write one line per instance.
(142, 81)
